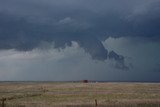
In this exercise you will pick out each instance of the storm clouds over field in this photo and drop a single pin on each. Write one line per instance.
(80, 39)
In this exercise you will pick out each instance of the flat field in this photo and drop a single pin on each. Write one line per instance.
(78, 94)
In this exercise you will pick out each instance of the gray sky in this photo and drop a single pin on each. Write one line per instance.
(80, 39)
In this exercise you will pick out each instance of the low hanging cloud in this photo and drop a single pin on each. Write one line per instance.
(73, 63)
(70, 63)
(28, 25)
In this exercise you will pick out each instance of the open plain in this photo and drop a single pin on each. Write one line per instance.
(79, 94)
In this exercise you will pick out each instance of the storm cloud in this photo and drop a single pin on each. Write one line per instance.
(73, 63)
(25, 24)
(40, 24)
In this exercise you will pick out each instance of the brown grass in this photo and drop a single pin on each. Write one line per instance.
(51, 94)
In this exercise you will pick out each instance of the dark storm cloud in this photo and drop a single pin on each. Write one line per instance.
(120, 64)
(24, 25)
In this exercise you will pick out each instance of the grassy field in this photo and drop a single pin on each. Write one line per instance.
(77, 94)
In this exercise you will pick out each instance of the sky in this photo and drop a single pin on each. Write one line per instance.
(70, 40)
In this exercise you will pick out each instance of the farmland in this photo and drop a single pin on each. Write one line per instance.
(78, 94)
